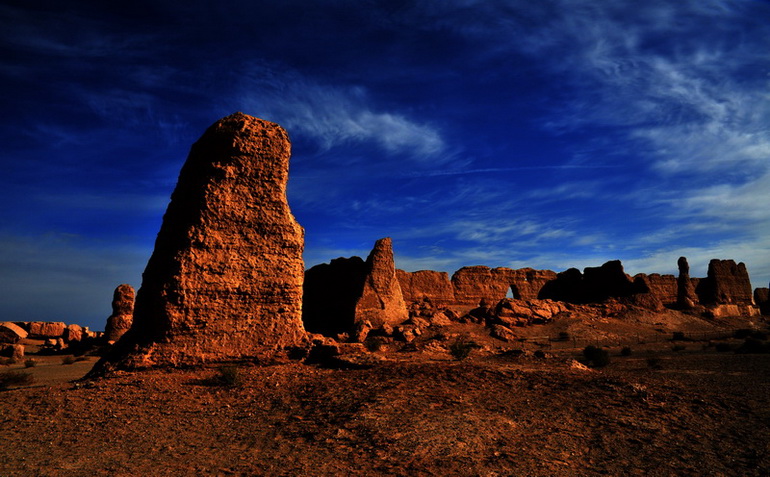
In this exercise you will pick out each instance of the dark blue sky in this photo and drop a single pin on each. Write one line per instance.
(550, 134)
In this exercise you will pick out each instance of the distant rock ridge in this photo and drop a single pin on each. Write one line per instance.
(225, 278)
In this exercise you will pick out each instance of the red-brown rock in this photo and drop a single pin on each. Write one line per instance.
(663, 287)
(727, 283)
(426, 285)
(11, 333)
(119, 322)
(477, 283)
(381, 300)
(45, 329)
(225, 279)
(73, 333)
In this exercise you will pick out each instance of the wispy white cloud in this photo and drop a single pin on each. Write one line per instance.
(334, 115)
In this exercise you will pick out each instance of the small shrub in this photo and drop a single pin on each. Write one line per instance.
(81, 358)
(597, 357)
(678, 348)
(30, 363)
(742, 333)
(625, 351)
(461, 348)
(68, 360)
(724, 347)
(678, 336)
(654, 363)
(15, 378)
(228, 375)
(563, 336)
(753, 345)
(7, 361)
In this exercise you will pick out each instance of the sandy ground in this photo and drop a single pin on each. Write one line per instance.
(703, 413)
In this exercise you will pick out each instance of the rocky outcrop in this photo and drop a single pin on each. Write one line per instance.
(46, 329)
(526, 312)
(426, 286)
(477, 283)
(381, 302)
(225, 278)
(122, 312)
(762, 300)
(686, 297)
(11, 333)
(331, 291)
(727, 283)
(663, 287)
(472, 285)
(594, 285)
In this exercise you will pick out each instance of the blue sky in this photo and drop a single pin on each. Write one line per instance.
(549, 134)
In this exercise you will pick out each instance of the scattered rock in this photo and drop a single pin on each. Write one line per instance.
(503, 333)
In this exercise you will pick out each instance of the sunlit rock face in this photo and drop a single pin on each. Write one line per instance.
(119, 322)
(426, 285)
(225, 279)
(381, 301)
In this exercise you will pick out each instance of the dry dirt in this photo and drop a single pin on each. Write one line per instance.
(703, 413)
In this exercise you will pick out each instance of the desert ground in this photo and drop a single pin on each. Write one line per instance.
(668, 408)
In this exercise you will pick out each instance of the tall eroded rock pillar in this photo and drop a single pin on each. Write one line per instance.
(119, 322)
(381, 301)
(685, 291)
(225, 279)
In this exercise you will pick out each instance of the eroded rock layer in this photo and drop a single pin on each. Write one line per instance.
(122, 312)
(225, 278)
(426, 285)
(381, 299)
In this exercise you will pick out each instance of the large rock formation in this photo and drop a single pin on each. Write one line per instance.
(426, 285)
(663, 287)
(225, 279)
(331, 291)
(526, 283)
(686, 297)
(594, 285)
(11, 332)
(122, 312)
(727, 283)
(472, 285)
(46, 329)
(381, 300)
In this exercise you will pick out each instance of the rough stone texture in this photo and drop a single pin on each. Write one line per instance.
(119, 322)
(73, 333)
(526, 312)
(381, 300)
(686, 296)
(11, 333)
(45, 329)
(477, 283)
(225, 279)
(13, 351)
(663, 287)
(331, 291)
(426, 285)
(762, 300)
(727, 283)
